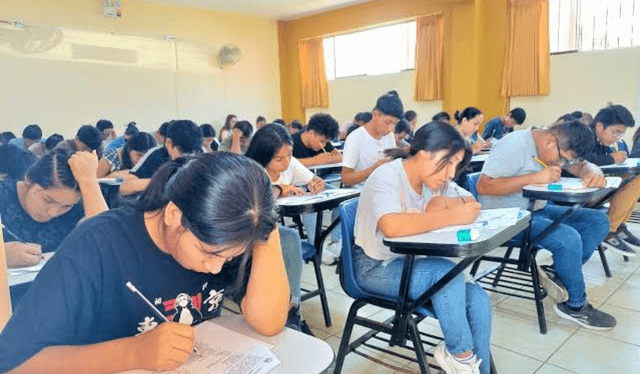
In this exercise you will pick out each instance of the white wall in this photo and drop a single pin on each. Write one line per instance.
(587, 82)
(348, 96)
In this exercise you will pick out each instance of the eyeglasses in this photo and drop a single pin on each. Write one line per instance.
(617, 134)
(563, 161)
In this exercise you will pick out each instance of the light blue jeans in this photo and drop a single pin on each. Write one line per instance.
(292, 256)
(309, 221)
(463, 309)
(571, 244)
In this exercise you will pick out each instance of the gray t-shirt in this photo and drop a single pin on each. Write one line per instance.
(512, 156)
(388, 191)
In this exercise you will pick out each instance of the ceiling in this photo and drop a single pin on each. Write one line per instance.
(275, 9)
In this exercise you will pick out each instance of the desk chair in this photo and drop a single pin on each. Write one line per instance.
(351, 287)
(309, 254)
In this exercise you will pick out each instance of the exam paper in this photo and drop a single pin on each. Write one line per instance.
(575, 184)
(305, 199)
(223, 351)
(489, 219)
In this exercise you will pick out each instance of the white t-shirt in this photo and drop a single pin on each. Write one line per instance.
(388, 191)
(296, 175)
(361, 150)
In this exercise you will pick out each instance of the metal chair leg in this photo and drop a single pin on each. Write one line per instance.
(346, 335)
(605, 263)
(421, 356)
(507, 255)
(536, 291)
(323, 291)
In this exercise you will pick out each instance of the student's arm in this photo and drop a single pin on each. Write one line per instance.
(320, 159)
(488, 130)
(351, 177)
(133, 185)
(501, 186)
(236, 135)
(600, 160)
(84, 167)
(590, 174)
(104, 167)
(266, 302)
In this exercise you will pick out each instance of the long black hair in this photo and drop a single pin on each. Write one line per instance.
(225, 199)
(53, 170)
(440, 136)
(140, 142)
(468, 113)
(266, 143)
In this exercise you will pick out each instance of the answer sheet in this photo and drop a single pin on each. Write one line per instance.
(488, 219)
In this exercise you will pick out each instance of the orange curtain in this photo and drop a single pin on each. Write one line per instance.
(315, 93)
(526, 70)
(428, 71)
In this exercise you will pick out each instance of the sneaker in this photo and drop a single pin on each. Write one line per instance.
(331, 253)
(626, 235)
(450, 365)
(587, 317)
(550, 282)
(616, 244)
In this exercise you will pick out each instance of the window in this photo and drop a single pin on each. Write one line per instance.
(588, 25)
(383, 50)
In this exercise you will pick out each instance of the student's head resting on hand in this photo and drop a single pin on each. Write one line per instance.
(272, 147)
(209, 209)
(386, 114)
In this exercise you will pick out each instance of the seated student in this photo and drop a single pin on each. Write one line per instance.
(118, 162)
(209, 141)
(239, 140)
(442, 117)
(39, 149)
(108, 133)
(227, 128)
(183, 138)
(468, 121)
(30, 135)
(402, 133)
(260, 122)
(44, 208)
(359, 120)
(6, 136)
(608, 127)
(87, 139)
(412, 118)
(280, 121)
(536, 156)
(313, 145)
(161, 133)
(415, 195)
(295, 127)
(364, 148)
(499, 126)
(14, 162)
(204, 229)
(120, 141)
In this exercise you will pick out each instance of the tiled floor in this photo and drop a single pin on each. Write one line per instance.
(517, 345)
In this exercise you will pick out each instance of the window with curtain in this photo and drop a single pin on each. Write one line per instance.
(589, 25)
(382, 50)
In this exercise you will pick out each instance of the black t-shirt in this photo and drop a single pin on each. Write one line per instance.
(48, 234)
(80, 296)
(151, 163)
(301, 151)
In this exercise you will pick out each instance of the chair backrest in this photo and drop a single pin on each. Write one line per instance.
(5, 298)
(348, 278)
(472, 181)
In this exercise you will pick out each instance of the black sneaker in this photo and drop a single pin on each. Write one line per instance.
(627, 236)
(550, 282)
(616, 244)
(587, 317)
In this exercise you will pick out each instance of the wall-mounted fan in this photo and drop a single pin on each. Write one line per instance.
(228, 55)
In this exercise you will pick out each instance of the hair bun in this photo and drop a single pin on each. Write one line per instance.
(457, 115)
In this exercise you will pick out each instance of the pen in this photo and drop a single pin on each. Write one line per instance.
(13, 235)
(540, 162)
(153, 307)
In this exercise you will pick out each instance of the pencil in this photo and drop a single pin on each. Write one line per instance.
(153, 307)
(540, 162)
(12, 234)
(323, 150)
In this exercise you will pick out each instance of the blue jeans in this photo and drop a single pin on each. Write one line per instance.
(309, 220)
(571, 244)
(463, 309)
(292, 256)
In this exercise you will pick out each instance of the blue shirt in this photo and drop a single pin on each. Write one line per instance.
(116, 143)
(18, 142)
(495, 129)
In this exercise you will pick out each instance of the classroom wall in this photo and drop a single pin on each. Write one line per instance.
(349, 96)
(587, 82)
(248, 89)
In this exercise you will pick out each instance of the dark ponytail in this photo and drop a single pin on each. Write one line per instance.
(468, 113)
(53, 170)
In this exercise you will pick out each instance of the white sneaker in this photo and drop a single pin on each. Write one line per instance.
(451, 366)
(331, 253)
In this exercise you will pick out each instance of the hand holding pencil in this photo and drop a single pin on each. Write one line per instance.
(550, 174)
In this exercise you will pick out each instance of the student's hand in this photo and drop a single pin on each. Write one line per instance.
(166, 347)
(21, 255)
(236, 134)
(113, 134)
(84, 166)
(381, 162)
(487, 144)
(620, 156)
(323, 158)
(477, 146)
(594, 180)
(548, 175)
(465, 214)
(316, 185)
(288, 190)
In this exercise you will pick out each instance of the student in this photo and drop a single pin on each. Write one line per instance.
(499, 126)
(30, 135)
(87, 139)
(117, 163)
(6, 136)
(402, 134)
(412, 118)
(108, 133)
(536, 156)
(295, 127)
(313, 145)
(260, 122)
(39, 149)
(161, 133)
(280, 121)
(239, 140)
(608, 128)
(14, 162)
(209, 141)
(364, 148)
(204, 229)
(359, 120)
(442, 117)
(468, 121)
(412, 196)
(120, 141)
(183, 138)
(227, 128)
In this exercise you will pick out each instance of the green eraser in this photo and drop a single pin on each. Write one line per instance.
(464, 235)
(555, 187)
